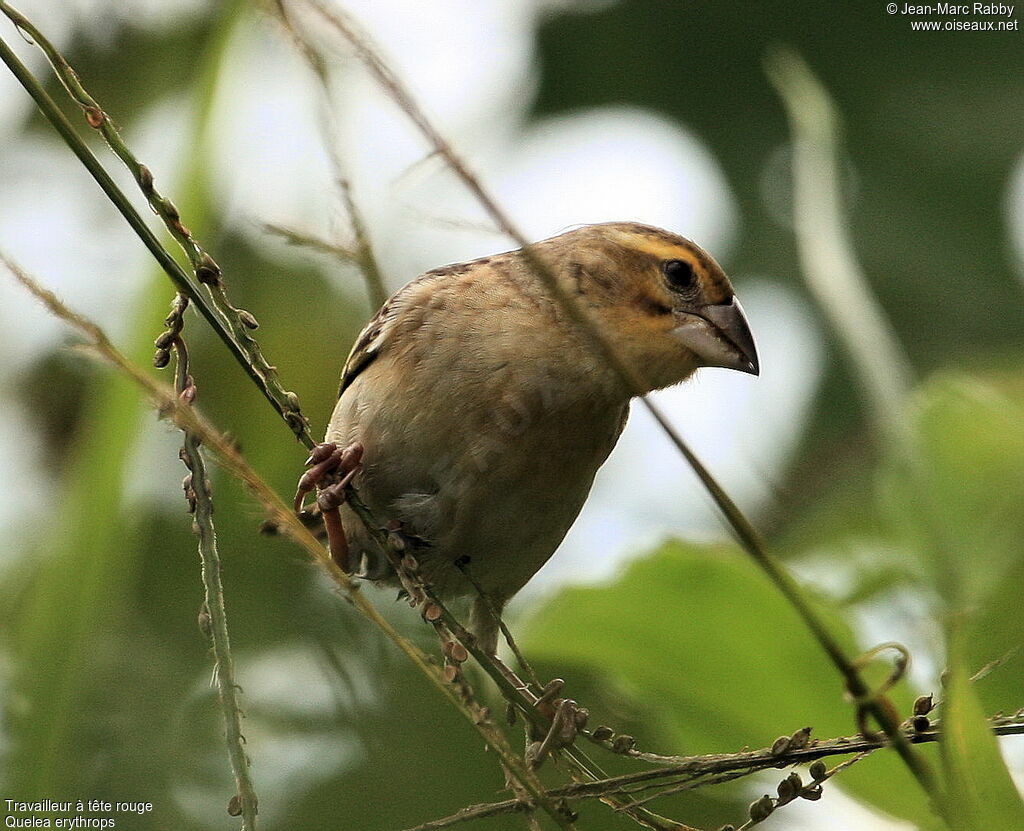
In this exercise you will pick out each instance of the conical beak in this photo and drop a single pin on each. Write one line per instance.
(720, 335)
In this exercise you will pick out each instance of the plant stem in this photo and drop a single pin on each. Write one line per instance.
(242, 350)
(694, 769)
(201, 499)
(829, 265)
(188, 419)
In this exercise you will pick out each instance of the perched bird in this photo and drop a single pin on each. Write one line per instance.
(481, 412)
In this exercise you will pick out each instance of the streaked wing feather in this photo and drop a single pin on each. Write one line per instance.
(375, 335)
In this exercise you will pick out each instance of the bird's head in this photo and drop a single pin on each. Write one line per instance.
(665, 304)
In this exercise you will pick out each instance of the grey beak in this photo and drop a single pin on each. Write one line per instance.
(730, 321)
(726, 341)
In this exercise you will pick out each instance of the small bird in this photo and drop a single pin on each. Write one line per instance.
(479, 412)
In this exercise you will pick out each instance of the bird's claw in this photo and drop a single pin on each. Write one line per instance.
(328, 462)
(331, 469)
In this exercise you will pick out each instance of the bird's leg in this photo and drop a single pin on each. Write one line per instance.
(331, 469)
(566, 717)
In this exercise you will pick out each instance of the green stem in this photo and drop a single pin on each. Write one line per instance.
(829, 265)
(221, 316)
(213, 604)
(362, 253)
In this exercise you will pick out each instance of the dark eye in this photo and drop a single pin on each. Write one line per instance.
(679, 273)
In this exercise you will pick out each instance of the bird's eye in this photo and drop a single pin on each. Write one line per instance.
(679, 273)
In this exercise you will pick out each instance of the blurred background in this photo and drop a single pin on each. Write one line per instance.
(572, 112)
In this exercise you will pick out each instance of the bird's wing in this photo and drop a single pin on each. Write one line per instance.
(377, 333)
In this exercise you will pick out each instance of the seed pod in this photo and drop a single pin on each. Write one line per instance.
(780, 745)
(800, 738)
(161, 358)
(235, 806)
(207, 271)
(812, 794)
(566, 811)
(145, 179)
(923, 705)
(785, 790)
(248, 320)
(95, 116)
(790, 787)
(602, 734)
(818, 771)
(920, 724)
(164, 340)
(623, 744)
(762, 808)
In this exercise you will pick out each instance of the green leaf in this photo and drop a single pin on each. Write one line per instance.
(969, 523)
(972, 438)
(699, 635)
(981, 794)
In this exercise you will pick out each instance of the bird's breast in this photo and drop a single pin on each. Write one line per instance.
(492, 463)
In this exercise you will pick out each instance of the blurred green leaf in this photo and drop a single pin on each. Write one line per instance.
(972, 438)
(981, 793)
(81, 583)
(699, 635)
(962, 516)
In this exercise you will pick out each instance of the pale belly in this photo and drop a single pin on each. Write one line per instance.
(500, 487)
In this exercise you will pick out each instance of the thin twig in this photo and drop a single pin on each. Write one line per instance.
(378, 291)
(505, 631)
(228, 456)
(792, 788)
(214, 615)
(692, 768)
(363, 249)
(227, 321)
(305, 239)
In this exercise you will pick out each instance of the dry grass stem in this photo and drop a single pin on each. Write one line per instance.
(170, 405)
